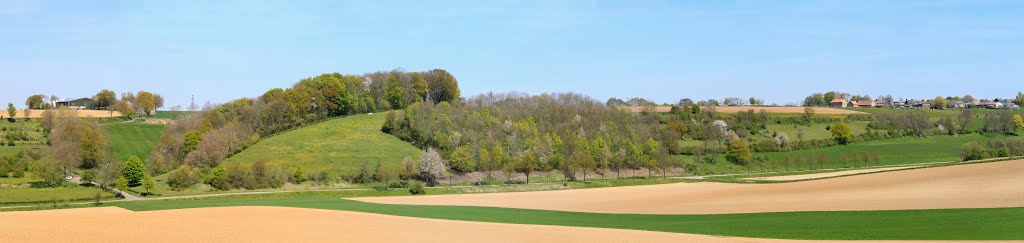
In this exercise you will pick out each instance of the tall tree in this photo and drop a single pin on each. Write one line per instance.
(1018, 123)
(395, 93)
(443, 86)
(105, 99)
(938, 102)
(964, 120)
(34, 102)
(11, 111)
(420, 86)
(146, 102)
(134, 171)
(158, 101)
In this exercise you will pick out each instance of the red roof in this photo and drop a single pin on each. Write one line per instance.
(838, 101)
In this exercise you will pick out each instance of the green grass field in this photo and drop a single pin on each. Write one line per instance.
(815, 131)
(170, 115)
(942, 224)
(906, 150)
(128, 139)
(38, 195)
(339, 145)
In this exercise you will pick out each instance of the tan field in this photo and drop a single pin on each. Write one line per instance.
(282, 224)
(997, 184)
(734, 109)
(827, 175)
(81, 113)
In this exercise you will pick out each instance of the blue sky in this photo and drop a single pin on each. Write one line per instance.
(662, 50)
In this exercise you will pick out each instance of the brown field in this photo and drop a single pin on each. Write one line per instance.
(734, 109)
(997, 184)
(81, 113)
(283, 224)
(827, 175)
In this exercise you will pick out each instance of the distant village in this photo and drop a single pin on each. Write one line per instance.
(927, 104)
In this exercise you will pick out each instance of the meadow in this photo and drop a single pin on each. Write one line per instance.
(128, 139)
(815, 131)
(339, 145)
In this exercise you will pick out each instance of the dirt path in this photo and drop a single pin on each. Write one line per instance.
(282, 224)
(996, 184)
(827, 175)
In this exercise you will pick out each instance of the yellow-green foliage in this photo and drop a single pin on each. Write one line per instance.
(338, 145)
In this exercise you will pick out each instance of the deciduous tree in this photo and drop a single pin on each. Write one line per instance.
(35, 102)
(841, 133)
(105, 99)
(146, 102)
(134, 171)
(11, 111)
(148, 183)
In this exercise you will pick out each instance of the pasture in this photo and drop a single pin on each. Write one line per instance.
(128, 139)
(338, 145)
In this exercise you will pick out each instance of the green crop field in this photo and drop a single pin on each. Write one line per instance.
(128, 139)
(940, 224)
(906, 150)
(338, 145)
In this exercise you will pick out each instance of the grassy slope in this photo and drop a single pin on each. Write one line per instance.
(338, 145)
(943, 224)
(128, 139)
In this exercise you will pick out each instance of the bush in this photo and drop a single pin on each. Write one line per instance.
(416, 188)
(297, 176)
(739, 152)
(767, 145)
(973, 151)
(218, 179)
(88, 176)
(182, 178)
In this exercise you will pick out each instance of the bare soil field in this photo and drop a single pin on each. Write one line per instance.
(282, 224)
(988, 185)
(827, 175)
(734, 109)
(81, 113)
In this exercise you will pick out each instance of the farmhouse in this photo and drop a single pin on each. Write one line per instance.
(79, 104)
(991, 104)
(862, 103)
(837, 103)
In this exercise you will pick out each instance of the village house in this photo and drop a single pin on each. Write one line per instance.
(837, 103)
(862, 103)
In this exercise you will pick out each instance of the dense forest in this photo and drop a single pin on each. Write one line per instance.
(520, 133)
